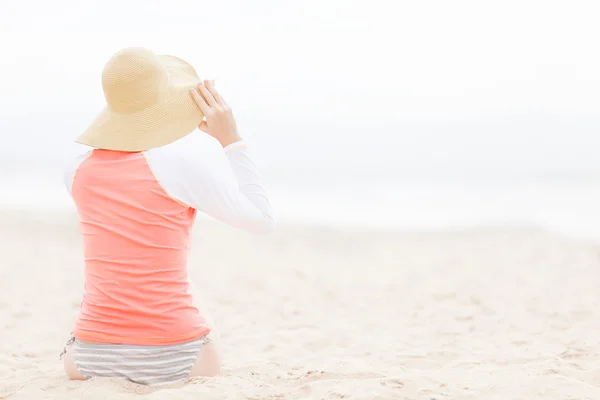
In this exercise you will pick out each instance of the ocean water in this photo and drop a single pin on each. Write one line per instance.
(565, 208)
(529, 170)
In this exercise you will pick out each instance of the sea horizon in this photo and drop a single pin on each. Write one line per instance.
(565, 207)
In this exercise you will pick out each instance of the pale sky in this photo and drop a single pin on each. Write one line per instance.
(342, 63)
(390, 59)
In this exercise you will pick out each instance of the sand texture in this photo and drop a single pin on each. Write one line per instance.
(312, 313)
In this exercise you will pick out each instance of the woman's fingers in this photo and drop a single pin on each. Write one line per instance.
(210, 99)
(203, 126)
(199, 100)
(211, 87)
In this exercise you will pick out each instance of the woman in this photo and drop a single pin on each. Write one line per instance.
(137, 193)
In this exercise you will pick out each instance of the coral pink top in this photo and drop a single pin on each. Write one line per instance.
(136, 213)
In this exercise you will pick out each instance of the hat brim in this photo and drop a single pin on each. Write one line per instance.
(174, 116)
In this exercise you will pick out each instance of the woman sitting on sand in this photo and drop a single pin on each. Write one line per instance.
(137, 193)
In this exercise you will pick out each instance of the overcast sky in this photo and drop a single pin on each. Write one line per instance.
(387, 58)
(331, 62)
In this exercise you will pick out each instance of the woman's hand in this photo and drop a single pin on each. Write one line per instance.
(219, 121)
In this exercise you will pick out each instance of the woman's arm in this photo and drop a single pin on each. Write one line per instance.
(223, 184)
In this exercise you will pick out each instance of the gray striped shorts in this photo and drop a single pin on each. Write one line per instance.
(146, 365)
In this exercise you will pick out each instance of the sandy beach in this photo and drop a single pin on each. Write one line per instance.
(316, 313)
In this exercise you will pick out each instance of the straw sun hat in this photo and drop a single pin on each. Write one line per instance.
(148, 102)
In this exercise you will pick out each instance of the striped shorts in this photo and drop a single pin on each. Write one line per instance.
(145, 365)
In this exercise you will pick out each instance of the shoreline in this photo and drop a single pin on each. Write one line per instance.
(568, 210)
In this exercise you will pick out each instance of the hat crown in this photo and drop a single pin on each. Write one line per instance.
(133, 79)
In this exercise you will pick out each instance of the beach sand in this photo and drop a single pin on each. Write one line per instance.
(316, 313)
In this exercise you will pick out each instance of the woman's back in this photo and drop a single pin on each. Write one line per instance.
(135, 239)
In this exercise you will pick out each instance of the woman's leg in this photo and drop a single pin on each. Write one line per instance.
(208, 362)
(209, 358)
(70, 366)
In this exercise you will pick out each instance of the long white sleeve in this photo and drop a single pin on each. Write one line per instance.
(223, 184)
(251, 186)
